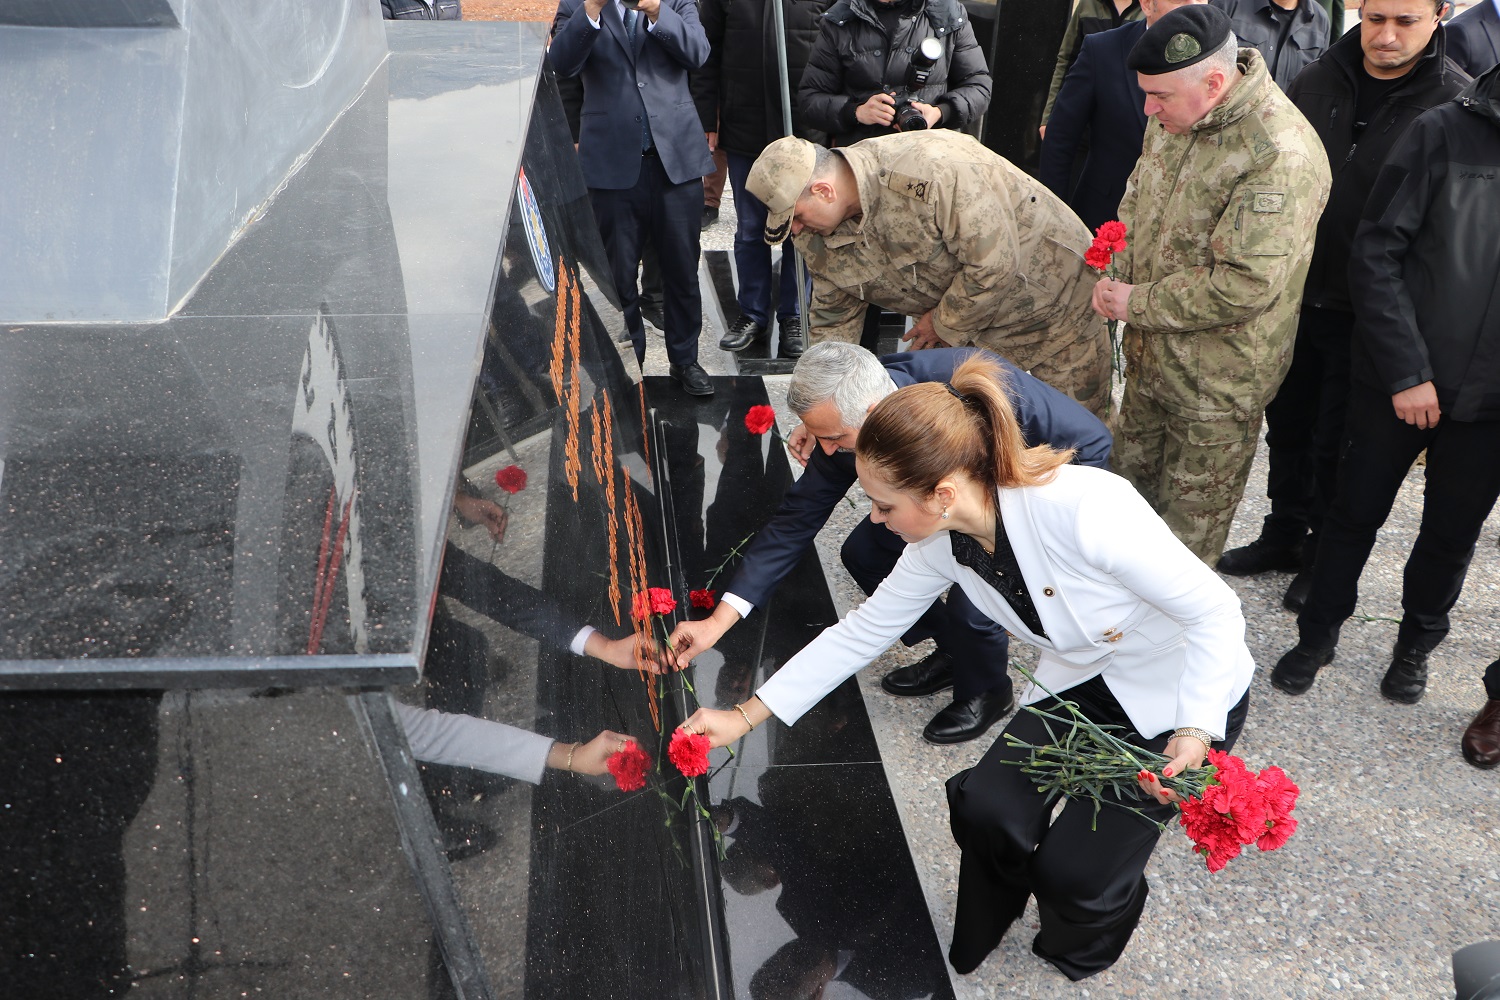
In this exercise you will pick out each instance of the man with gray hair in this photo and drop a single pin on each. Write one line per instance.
(1221, 208)
(833, 386)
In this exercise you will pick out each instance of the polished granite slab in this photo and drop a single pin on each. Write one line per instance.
(255, 491)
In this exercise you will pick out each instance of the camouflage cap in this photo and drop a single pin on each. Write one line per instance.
(778, 178)
(1181, 38)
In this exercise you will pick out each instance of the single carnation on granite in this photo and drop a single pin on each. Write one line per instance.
(629, 767)
(511, 479)
(688, 752)
(759, 419)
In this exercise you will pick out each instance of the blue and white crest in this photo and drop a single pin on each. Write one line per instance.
(536, 233)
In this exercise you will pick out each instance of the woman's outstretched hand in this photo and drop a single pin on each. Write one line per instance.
(1186, 752)
(724, 726)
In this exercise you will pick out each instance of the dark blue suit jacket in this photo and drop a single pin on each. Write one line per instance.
(1474, 38)
(618, 78)
(1100, 99)
(1045, 415)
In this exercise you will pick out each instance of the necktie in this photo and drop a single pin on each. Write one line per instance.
(632, 17)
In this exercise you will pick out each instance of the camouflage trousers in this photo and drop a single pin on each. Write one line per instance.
(1072, 357)
(1192, 472)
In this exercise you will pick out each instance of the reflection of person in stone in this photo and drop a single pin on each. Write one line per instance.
(934, 226)
(464, 740)
(1129, 624)
(833, 387)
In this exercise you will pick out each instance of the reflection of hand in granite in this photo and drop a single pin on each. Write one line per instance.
(587, 758)
(477, 510)
(734, 682)
(621, 652)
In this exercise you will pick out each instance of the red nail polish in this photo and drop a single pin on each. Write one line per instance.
(1166, 772)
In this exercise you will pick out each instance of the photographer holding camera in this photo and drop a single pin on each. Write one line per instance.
(883, 67)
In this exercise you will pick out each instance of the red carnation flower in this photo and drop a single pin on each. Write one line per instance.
(511, 479)
(701, 598)
(689, 753)
(759, 419)
(662, 601)
(1097, 258)
(629, 767)
(1110, 236)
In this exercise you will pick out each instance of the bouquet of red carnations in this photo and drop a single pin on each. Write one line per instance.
(1224, 806)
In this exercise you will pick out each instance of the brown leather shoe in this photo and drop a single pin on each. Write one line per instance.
(1482, 738)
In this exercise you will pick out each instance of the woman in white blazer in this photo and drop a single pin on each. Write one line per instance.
(1131, 626)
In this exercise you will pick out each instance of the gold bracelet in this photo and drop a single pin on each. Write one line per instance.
(1202, 735)
(741, 709)
(571, 751)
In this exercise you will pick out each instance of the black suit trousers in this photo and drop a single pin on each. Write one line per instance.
(976, 642)
(1305, 423)
(1463, 481)
(1087, 872)
(669, 216)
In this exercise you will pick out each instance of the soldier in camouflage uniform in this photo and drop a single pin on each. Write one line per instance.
(1222, 209)
(935, 226)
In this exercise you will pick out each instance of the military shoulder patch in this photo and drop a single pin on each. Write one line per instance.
(918, 188)
(1268, 201)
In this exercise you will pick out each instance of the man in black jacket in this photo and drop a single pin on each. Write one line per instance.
(1290, 34)
(1426, 367)
(740, 89)
(1360, 97)
(863, 55)
(834, 386)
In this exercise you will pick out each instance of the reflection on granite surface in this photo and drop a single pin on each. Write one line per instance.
(254, 490)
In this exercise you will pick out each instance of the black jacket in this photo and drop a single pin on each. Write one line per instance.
(853, 59)
(740, 85)
(1255, 28)
(1474, 38)
(1325, 94)
(421, 10)
(1426, 258)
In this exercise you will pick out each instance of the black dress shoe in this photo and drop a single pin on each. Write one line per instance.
(1405, 680)
(692, 378)
(930, 674)
(1296, 592)
(1295, 671)
(742, 333)
(793, 340)
(710, 216)
(969, 718)
(1482, 739)
(1260, 556)
(651, 313)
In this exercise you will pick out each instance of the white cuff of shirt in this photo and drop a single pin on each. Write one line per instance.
(739, 604)
(581, 639)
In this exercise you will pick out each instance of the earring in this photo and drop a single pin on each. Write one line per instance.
(944, 514)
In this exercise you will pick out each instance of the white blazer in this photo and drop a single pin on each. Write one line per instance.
(1116, 592)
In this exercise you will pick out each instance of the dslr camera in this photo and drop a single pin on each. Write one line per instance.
(908, 118)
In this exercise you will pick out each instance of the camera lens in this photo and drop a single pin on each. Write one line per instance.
(909, 119)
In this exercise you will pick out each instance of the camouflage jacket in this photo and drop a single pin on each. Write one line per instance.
(1221, 223)
(948, 225)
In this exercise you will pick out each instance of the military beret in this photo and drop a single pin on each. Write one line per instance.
(1181, 38)
(778, 178)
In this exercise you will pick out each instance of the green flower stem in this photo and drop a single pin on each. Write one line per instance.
(1090, 761)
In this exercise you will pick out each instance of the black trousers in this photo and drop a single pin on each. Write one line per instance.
(670, 216)
(976, 642)
(1463, 481)
(1304, 425)
(1089, 882)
